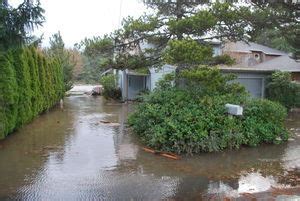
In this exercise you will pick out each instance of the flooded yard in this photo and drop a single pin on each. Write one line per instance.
(71, 154)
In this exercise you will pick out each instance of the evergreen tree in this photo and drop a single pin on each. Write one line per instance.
(8, 95)
(17, 23)
(57, 49)
(97, 54)
(181, 23)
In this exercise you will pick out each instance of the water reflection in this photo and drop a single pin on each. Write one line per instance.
(72, 155)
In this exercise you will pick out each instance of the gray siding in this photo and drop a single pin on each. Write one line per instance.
(157, 74)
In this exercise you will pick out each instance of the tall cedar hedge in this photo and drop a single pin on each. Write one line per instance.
(30, 83)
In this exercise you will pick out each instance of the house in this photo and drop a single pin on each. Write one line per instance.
(132, 83)
(255, 62)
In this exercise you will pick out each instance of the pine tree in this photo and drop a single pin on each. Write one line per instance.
(17, 23)
(57, 49)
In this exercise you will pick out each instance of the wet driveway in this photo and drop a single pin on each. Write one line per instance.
(72, 155)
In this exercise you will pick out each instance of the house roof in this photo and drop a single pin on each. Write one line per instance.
(138, 72)
(241, 46)
(281, 63)
(110, 70)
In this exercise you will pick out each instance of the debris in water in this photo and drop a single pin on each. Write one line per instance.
(61, 103)
(114, 124)
(172, 156)
(149, 150)
(104, 122)
(51, 147)
(248, 195)
(165, 154)
(280, 191)
(109, 123)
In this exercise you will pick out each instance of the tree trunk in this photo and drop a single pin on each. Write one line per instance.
(179, 16)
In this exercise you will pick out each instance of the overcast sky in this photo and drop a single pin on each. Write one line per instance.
(77, 19)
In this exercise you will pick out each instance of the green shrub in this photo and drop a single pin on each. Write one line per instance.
(167, 82)
(281, 89)
(182, 120)
(264, 122)
(111, 90)
(209, 81)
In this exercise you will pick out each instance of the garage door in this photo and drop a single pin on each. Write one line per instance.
(136, 84)
(253, 85)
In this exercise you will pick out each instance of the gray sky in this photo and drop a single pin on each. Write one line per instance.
(79, 19)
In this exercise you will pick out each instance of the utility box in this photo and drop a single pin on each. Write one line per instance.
(234, 109)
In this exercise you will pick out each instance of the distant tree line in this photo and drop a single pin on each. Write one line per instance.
(64, 56)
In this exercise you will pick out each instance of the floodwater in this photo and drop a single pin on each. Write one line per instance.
(71, 155)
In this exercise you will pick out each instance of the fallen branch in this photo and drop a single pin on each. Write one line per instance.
(105, 122)
(164, 154)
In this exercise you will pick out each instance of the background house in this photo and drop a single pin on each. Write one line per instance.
(255, 62)
(132, 83)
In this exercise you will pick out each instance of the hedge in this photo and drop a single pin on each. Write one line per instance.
(30, 83)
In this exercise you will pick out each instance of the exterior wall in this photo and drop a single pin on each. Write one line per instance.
(157, 74)
(270, 57)
(119, 75)
(249, 59)
(148, 83)
(240, 57)
(123, 86)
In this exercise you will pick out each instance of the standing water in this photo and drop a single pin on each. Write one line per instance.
(71, 154)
